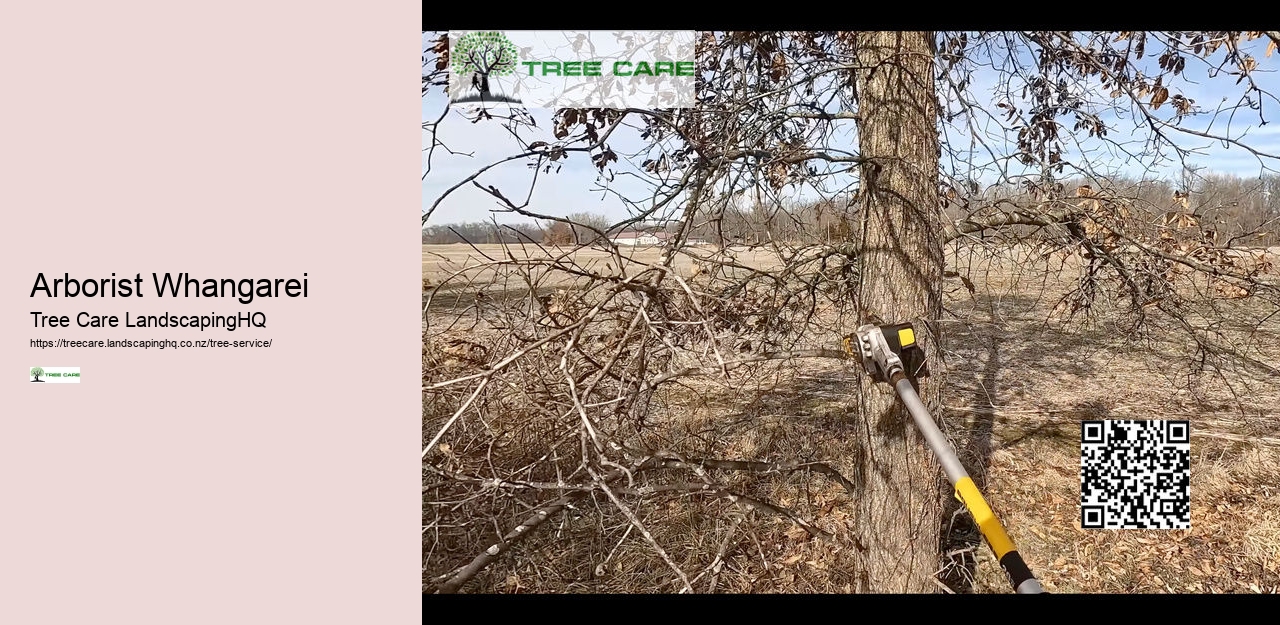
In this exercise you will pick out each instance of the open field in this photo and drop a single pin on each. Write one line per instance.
(439, 262)
(1017, 382)
(474, 263)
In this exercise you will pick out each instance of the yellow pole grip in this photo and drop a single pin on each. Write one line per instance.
(988, 524)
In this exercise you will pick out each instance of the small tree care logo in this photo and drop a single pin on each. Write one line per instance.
(54, 375)
(556, 69)
(484, 55)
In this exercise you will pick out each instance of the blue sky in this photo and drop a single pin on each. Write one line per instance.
(573, 188)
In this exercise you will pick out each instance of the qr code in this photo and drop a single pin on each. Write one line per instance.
(1135, 474)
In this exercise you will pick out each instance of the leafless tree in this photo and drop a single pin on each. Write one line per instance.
(546, 368)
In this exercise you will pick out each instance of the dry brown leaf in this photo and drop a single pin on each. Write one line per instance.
(1161, 94)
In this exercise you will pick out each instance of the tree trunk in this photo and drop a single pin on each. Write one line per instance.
(899, 515)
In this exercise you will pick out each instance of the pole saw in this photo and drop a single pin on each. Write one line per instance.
(889, 353)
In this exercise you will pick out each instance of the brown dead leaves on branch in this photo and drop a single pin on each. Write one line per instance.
(558, 380)
(545, 374)
(1164, 259)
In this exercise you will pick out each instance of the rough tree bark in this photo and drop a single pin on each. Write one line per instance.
(901, 268)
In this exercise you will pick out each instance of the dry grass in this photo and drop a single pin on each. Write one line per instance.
(441, 261)
(1015, 391)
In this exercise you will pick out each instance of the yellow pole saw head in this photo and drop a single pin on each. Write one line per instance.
(886, 350)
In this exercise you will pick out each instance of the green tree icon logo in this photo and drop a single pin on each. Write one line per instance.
(36, 372)
(483, 54)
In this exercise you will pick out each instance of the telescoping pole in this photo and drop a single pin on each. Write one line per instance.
(881, 361)
(1019, 574)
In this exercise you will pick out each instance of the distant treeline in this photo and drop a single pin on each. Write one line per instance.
(584, 228)
(482, 232)
(1229, 204)
(1233, 205)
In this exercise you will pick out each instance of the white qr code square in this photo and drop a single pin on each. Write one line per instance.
(1135, 474)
